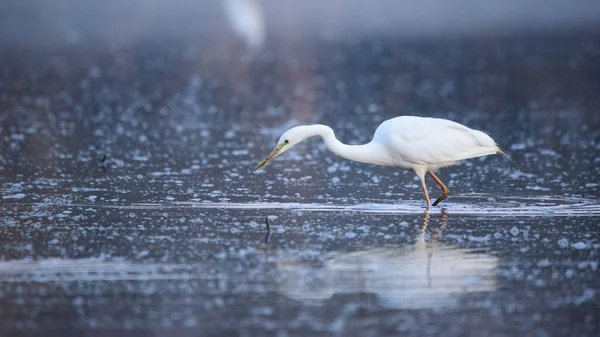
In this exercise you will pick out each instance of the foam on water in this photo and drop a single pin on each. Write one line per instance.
(94, 269)
(579, 208)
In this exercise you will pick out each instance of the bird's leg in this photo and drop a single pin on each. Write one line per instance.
(445, 189)
(422, 178)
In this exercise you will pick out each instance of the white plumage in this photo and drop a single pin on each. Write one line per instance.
(431, 142)
(414, 143)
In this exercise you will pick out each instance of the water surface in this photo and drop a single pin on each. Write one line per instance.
(129, 204)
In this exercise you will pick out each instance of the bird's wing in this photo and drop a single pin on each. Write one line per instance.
(433, 141)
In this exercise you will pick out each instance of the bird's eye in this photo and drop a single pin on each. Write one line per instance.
(286, 141)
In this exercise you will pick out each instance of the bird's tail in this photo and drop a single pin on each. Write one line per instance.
(500, 151)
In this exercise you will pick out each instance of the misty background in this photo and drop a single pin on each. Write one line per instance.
(44, 23)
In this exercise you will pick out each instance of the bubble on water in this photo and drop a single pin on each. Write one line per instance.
(548, 152)
(364, 228)
(544, 263)
(142, 254)
(537, 188)
(118, 162)
(563, 243)
(479, 238)
(569, 273)
(14, 196)
(350, 235)
(92, 197)
(514, 231)
(518, 146)
(583, 264)
(240, 152)
(190, 322)
(578, 245)
(78, 301)
(262, 311)
(588, 295)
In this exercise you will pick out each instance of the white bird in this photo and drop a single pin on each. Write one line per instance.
(413, 143)
(247, 19)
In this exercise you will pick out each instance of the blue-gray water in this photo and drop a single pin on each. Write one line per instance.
(129, 204)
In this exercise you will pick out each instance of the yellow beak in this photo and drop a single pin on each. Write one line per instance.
(273, 154)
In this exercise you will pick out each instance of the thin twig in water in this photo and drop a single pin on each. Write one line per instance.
(268, 229)
(102, 163)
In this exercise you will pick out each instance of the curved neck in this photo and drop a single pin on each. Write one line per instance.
(366, 153)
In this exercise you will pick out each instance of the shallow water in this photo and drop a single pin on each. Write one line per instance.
(129, 204)
(142, 269)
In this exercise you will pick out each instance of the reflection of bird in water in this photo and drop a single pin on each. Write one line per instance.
(407, 142)
(425, 275)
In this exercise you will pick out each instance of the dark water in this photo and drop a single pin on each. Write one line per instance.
(130, 207)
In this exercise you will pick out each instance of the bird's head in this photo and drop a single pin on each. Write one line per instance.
(290, 138)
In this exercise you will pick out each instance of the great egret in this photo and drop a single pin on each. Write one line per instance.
(413, 143)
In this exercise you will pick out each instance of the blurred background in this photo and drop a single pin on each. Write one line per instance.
(112, 22)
